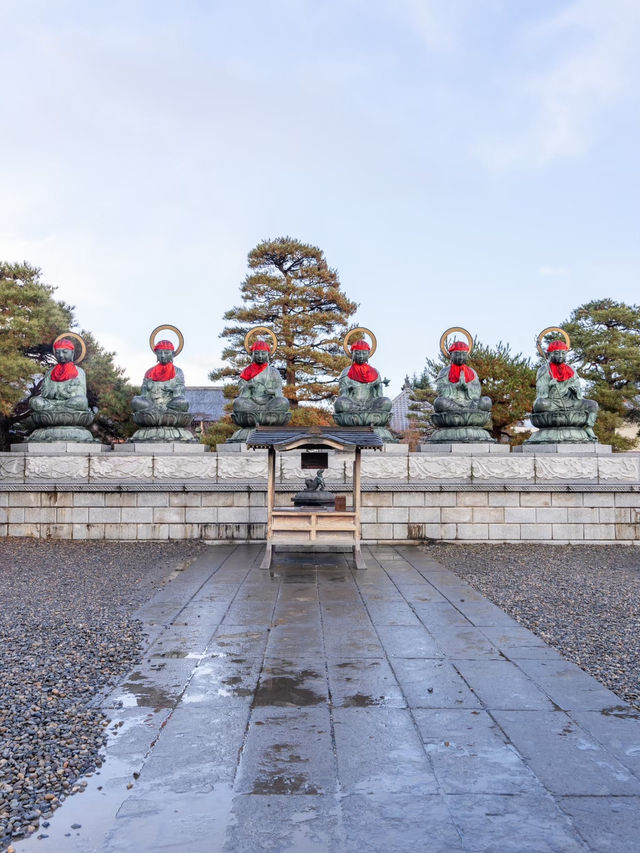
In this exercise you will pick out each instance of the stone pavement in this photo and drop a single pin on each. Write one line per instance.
(316, 708)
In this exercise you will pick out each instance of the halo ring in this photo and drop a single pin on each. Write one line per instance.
(152, 338)
(345, 343)
(255, 331)
(83, 346)
(443, 340)
(547, 331)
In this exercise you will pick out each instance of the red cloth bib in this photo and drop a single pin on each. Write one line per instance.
(362, 373)
(561, 372)
(161, 372)
(252, 370)
(456, 369)
(63, 372)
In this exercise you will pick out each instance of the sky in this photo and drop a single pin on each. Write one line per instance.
(464, 163)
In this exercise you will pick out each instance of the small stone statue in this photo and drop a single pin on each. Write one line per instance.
(361, 402)
(560, 412)
(161, 409)
(314, 484)
(61, 411)
(461, 413)
(260, 401)
(315, 494)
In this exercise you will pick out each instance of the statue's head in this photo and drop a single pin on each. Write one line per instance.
(459, 352)
(64, 351)
(360, 352)
(164, 351)
(260, 351)
(557, 352)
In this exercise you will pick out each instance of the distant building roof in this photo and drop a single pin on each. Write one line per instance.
(206, 402)
(400, 410)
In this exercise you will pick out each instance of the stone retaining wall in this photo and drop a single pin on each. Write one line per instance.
(406, 497)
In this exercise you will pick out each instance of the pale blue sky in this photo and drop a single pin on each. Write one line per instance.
(460, 162)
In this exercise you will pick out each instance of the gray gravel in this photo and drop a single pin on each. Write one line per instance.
(66, 631)
(583, 601)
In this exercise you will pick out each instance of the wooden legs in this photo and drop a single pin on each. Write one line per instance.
(268, 554)
(357, 556)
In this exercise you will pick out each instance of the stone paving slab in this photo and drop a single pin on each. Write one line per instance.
(318, 708)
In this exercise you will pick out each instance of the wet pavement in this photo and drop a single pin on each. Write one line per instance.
(319, 708)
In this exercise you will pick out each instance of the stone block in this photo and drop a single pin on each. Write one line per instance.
(439, 531)
(373, 532)
(456, 515)
(368, 515)
(519, 515)
(377, 499)
(563, 449)
(535, 499)
(439, 498)
(233, 447)
(137, 515)
(104, 515)
(120, 499)
(620, 468)
(393, 515)
(257, 516)
(156, 531)
(488, 515)
(568, 531)
(389, 449)
(622, 515)
(89, 498)
(424, 514)
(168, 515)
(26, 499)
(623, 531)
(472, 531)
(551, 514)
(15, 515)
(257, 498)
(152, 499)
(566, 499)
(504, 532)
(72, 515)
(476, 448)
(234, 514)
(160, 448)
(427, 467)
(599, 531)
(606, 514)
(115, 467)
(400, 532)
(3, 516)
(31, 531)
(582, 515)
(569, 469)
(4, 499)
(472, 499)
(408, 498)
(181, 531)
(95, 531)
(604, 499)
(45, 515)
(79, 531)
(185, 499)
(538, 532)
(626, 499)
(241, 499)
(56, 531)
(47, 448)
(201, 515)
(499, 469)
(120, 531)
(218, 499)
(505, 498)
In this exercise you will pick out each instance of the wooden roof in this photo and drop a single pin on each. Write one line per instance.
(336, 437)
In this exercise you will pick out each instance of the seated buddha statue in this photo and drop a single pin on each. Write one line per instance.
(161, 409)
(560, 411)
(460, 411)
(260, 401)
(361, 402)
(61, 410)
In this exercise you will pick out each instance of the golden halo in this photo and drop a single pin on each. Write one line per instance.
(83, 346)
(443, 340)
(345, 343)
(255, 331)
(152, 338)
(548, 331)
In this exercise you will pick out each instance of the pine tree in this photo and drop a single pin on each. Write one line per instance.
(605, 340)
(422, 396)
(293, 291)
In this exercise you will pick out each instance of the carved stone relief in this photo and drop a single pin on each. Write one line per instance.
(174, 467)
(423, 467)
(381, 467)
(242, 467)
(502, 468)
(566, 468)
(618, 468)
(57, 468)
(129, 467)
(12, 468)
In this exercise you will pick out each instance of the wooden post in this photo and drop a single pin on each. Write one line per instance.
(271, 494)
(357, 554)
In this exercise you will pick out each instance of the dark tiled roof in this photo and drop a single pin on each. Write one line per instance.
(282, 437)
(206, 402)
(400, 410)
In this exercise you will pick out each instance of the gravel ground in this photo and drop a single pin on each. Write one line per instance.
(583, 601)
(66, 631)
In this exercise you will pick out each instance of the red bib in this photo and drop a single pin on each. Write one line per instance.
(63, 372)
(561, 372)
(456, 369)
(362, 373)
(161, 372)
(252, 370)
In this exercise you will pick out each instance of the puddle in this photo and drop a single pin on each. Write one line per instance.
(359, 700)
(278, 783)
(286, 690)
